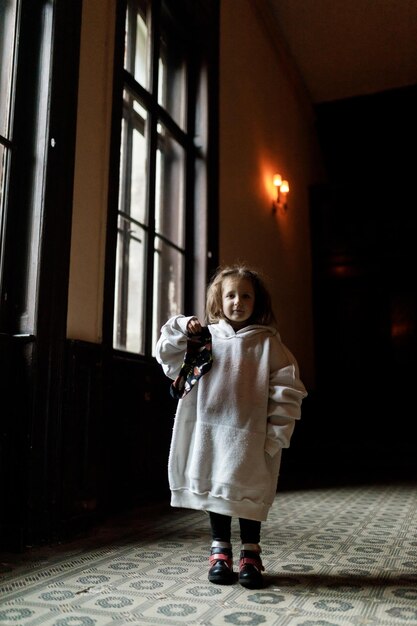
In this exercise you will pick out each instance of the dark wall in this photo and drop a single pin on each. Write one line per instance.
(369, 147)
(364, 236)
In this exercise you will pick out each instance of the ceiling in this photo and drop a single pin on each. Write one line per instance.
(346, 48)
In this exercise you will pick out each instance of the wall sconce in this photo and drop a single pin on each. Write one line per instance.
(282, 191)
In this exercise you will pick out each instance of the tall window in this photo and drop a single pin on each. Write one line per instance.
(26, 38)
(8, 25)
(162, 148)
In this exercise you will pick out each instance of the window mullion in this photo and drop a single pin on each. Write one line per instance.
(152, 151)
(124, 234)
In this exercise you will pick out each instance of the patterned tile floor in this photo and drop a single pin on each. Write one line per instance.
(333, 557)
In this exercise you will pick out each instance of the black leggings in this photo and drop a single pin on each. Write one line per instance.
(250, 530)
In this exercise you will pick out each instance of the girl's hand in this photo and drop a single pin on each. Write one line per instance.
(194, 326)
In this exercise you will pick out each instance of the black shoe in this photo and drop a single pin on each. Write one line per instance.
(221, 570)
(250, 570)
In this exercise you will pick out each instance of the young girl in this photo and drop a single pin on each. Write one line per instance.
(236, 414)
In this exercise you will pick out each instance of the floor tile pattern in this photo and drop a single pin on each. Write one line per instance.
(333, 557)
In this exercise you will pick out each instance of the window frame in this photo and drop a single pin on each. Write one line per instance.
(196, 271)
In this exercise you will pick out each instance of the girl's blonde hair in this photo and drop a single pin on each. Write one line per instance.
(262, 312)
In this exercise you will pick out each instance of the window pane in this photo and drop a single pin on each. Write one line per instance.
(171, 86)
(168, 290)
(132, 199)
(129, 287)
(7, 36)
(137, 41)
(3, 156)
(2, 172)
(170, 189)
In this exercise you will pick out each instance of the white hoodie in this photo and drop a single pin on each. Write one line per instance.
(229, 430)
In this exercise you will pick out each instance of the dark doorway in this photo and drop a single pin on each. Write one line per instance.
(364, 235)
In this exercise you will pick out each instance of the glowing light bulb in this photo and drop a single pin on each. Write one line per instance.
(277, 180)
(285, 186)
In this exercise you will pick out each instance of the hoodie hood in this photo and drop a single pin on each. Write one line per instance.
(224, 330)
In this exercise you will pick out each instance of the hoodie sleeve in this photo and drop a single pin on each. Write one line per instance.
(171, 345)
(286, 393)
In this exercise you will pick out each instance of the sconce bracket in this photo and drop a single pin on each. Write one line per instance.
(279, 207)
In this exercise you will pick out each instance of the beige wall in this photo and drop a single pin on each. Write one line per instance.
(266, 126)
(85, 297)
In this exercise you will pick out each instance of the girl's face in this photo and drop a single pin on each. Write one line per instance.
(238, 300)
